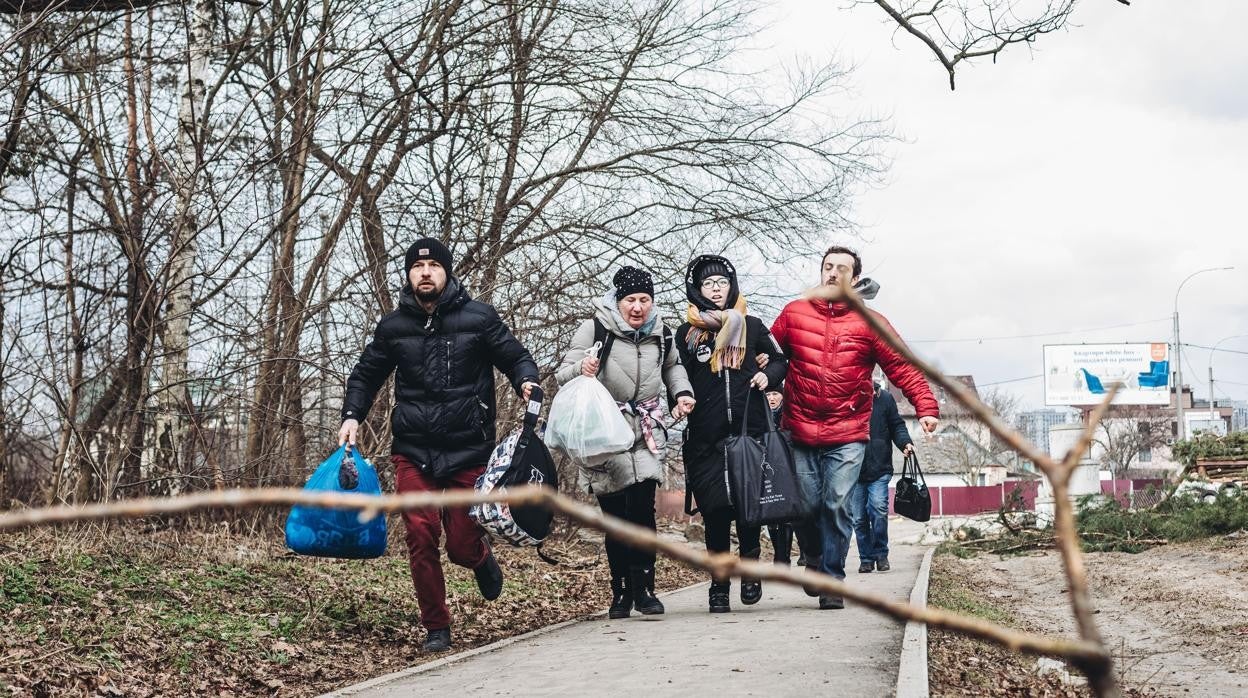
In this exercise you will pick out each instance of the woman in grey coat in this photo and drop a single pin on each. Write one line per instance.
(640, 368)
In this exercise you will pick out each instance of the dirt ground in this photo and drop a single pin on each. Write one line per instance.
(1175, 616)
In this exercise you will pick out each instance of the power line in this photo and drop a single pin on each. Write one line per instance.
(1228, 351)
(1011, 380)
(1040, 334)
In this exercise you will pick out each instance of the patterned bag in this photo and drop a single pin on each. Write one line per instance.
(519, 459)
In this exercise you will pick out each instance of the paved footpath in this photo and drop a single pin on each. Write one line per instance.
(781, 646)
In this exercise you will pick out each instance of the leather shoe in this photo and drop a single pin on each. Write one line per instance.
(437, 640)
(827, 601)
(489, 578)
(751, 591)
(718, 598)
(814, 567)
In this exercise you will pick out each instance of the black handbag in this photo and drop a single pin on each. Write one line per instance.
(762, 475)
(911, 498)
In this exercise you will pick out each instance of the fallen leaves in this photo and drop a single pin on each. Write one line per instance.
(179, 612)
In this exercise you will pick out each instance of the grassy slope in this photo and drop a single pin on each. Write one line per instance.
(125, 612)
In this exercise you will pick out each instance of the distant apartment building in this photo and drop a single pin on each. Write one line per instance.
(1239, 416)
(1034, 424)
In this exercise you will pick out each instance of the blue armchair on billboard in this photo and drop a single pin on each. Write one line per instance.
(1158, 375)
(1093, 383)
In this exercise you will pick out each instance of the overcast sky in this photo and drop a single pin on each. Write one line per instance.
(1062, 190)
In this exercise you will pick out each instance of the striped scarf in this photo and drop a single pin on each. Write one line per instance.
(728, 329)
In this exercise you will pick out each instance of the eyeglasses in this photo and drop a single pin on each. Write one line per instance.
(711, 284)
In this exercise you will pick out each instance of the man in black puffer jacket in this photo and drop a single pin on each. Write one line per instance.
(869, 498)
(443, 347)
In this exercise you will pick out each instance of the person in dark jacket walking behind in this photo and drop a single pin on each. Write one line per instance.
(869, 500)
(781, 534)
(719, 344)
(443, 348)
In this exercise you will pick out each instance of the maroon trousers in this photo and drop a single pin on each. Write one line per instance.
(465, 544)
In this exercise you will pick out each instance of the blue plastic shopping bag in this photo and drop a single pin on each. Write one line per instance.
(338, 532)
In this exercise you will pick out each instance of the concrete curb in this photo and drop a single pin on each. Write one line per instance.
(912, 669)
(356, 689)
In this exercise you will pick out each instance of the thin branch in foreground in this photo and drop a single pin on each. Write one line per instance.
(1077, 651)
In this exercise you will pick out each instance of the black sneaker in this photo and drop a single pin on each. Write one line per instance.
(437, 640)
(882, 564)
(751, 591)
(489, 578)
(718, 598)
(866, 566)
(827, 601)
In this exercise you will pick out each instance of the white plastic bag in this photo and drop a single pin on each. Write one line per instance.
(585, 422)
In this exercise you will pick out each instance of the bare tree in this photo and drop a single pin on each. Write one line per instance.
(964, 30)
(1129, 434)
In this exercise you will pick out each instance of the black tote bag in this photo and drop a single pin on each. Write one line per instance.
(911, 498)
(762, 475)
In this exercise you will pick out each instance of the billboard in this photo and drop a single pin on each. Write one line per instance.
(1081, 374)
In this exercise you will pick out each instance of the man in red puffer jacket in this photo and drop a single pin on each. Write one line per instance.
(827, 407)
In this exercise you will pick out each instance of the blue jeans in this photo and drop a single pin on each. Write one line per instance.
(827, 476)
(870, 512)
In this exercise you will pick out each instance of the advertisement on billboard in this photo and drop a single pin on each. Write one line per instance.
(1081, 374)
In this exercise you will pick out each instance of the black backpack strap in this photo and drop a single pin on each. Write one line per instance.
(534, 408)
(666, 345)
(601, 335)
(529, 429)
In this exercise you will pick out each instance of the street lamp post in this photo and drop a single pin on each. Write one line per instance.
(1212, 413)
(1178, 355)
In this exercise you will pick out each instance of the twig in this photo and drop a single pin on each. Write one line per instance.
(721, 566)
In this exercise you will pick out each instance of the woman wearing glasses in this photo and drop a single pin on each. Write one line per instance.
(719, 344)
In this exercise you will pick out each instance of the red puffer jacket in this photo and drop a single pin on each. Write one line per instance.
(827, 393)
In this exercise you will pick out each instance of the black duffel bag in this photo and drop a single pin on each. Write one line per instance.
(762, 475)
(911, 498)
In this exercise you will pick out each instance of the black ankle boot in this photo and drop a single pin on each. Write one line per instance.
(751, 589)
(621, 598)
(718, 597)
(642, 582)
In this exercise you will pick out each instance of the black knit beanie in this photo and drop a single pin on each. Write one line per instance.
(427, 248)
(709, 268)
(630, 280)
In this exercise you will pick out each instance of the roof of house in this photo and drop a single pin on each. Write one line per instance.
(948, 405)
(935, 459)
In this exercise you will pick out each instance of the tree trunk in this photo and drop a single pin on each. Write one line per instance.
(282, 319)
(174, 406)
(20, 99)
(77, 357)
